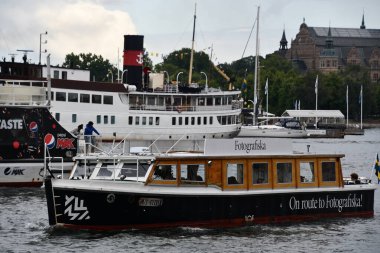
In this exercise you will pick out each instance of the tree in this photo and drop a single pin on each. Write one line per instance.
(100, 68)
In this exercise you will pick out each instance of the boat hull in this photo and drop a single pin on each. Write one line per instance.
(112, 210)
(254, 131)
(30, 173)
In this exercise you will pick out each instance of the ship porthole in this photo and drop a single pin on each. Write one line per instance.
(111, 198)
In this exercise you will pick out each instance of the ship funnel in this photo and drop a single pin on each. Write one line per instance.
(133, 60)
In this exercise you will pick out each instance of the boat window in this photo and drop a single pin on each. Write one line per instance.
(204, 120)
(186, 121)
(199, 120)
(161, 101)
(57, 116)
(96, 99)
(81, 171)
(174, 121)
(260, 173)
(107, 100)
(284, 173)
(192, 173)
(73, 118)
(60, 96)
(84, 98)
(130, 120)
(144, 121)
(177, 101)
(192, 120)
(52, 95)
(211, 120)
(132, 100)
(235, 173)
(137, 120)
(131, 170)
(201, 101)
(151, 100)
(98, 119)
(105, 119)
(307, 172)
(113, 119)
(218, 101)
(56, 74)
(209, 101)
(165, 172)
(105, 170)
(328, 171)
(180, 121)
(64, 75)
(72, 97)
(222, 120)
(150, 121)
(157, 121)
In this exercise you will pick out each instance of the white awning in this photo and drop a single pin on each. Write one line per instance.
(313, 114)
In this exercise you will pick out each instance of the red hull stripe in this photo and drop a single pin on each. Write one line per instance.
(225, 223)
(133, 58)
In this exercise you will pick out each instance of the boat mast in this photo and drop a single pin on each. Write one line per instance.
(192, 47)
(256, 69)
(48, 80)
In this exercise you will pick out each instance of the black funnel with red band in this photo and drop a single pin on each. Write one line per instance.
(133, 60)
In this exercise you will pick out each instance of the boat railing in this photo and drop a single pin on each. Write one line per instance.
(183, 108)
(22, 95)
(51, 162)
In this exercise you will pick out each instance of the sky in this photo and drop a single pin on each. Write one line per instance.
(98, 26)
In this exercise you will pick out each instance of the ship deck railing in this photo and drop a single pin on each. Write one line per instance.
(22, 92)
(183, 108)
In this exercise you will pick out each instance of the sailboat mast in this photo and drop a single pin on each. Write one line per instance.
(256, 68)
(192, 47)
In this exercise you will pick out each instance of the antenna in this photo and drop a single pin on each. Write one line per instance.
(26, 51)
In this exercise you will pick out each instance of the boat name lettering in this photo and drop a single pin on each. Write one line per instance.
(248, 146)
(15, 171)
(329, 202)
(65, 143)
(10, 124)
(150, 202)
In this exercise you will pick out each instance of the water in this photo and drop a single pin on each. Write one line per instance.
(24, 224)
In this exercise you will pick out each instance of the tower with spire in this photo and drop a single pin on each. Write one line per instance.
(283, 42)
(363, 25)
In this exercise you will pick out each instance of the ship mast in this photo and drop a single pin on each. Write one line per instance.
(192, 47)
(256, 69)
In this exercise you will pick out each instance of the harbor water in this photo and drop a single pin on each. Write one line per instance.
(24, 221)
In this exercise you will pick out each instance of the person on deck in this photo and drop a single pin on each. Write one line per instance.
(76, 131)
(89, 138)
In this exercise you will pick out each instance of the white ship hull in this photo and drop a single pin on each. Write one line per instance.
(271, 131)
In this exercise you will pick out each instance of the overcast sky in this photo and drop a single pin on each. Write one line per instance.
(98, 26)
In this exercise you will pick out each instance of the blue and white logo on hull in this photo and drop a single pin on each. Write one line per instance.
(49, 141)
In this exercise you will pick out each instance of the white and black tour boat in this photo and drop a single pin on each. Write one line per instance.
(26, 127)
(233, 182)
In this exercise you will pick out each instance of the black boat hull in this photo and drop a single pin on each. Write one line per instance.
(106, 210)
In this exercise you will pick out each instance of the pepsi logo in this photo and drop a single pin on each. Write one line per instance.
(33, 126)
(49, 141)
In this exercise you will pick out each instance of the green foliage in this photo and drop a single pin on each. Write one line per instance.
(100, 68)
